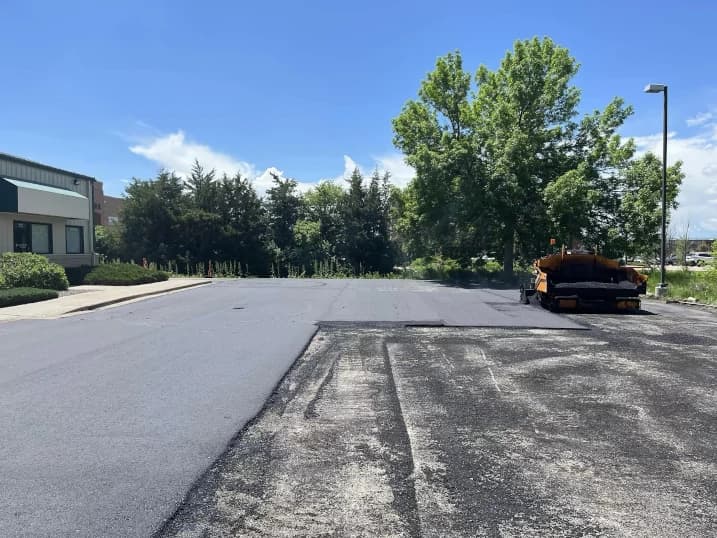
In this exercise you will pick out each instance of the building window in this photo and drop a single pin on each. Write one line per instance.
(32, 237)
(74, 240)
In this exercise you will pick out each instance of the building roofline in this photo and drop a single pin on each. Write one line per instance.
(47, 167)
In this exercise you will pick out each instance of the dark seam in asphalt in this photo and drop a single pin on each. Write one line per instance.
(380, 324)
(582, 326)
(408, 495)
(232, 442)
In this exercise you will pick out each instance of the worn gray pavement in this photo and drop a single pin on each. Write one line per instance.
(107, 418)
(480, 432)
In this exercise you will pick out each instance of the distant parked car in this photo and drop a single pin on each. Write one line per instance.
(483, 259)
(670, 259)
(699, 258)
(637, 261)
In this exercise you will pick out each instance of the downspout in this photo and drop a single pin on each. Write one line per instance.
(91, 234)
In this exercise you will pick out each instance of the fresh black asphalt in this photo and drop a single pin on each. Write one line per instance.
(108, 418)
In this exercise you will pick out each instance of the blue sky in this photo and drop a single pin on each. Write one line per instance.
(118, 90)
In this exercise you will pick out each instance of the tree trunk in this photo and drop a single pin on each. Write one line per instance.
(508, 257)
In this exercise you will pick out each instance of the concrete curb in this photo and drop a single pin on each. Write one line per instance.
(679, 301)
(117, 300)
(691, 303)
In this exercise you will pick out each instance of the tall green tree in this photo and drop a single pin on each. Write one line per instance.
(600, 157)
(245, 221)
(366, 212)
(570, 201)
(639, 216)
(283, 205)
(310, 247)
(379, 253)
(109, 242)
(507, 166)
(523, 114)
(150, 217)
(202, 187)
(437, 135)
(353, 216)
(196, 221)
(199, 236)
(407, 226)
(323, 204)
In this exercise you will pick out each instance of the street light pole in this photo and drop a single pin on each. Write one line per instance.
(661, 290)
(663, 284)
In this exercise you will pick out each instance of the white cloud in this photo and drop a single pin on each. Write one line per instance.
(400, 173)
(699, 156)
(395, 164)
(349, 166)
(175, 152)
(699, 119)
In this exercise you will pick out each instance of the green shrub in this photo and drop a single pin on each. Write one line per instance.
(16, 296)
(492, 266)
(3, 282)
(437, 268)
(76, 275)
(123, 274)
(27, 270)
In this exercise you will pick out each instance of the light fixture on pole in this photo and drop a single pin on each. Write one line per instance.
(661, 290)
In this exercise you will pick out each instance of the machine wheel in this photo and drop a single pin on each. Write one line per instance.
(547, 302)
(523, 296)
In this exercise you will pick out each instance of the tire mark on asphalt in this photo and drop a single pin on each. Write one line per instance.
(471, 478)
(494, 381)
(402, 481)
(310, 411)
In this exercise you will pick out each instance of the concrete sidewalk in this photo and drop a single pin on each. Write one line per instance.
(81, 298)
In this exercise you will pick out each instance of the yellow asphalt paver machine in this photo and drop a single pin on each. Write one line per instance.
(569, 280)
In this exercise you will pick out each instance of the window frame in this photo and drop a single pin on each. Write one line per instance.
(82, 238)
(30, 224)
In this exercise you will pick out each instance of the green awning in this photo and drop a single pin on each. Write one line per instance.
(18, 196)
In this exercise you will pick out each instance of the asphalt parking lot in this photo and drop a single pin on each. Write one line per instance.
(109, 417)
(440, 431)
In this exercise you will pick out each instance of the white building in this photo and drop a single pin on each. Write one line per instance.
(46, 210)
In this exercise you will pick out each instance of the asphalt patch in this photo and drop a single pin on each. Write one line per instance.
(439, 431)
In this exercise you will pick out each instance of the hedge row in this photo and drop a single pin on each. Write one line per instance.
(123, 274)
(76, 275)
(26, 270)
(17, 296)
